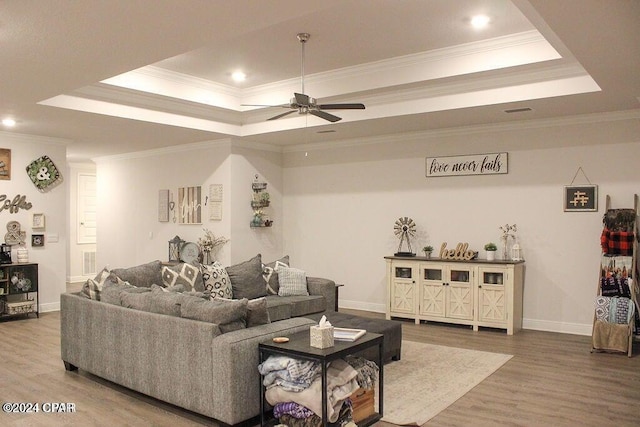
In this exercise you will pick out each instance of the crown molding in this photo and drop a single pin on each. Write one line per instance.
(217, 143)
(23, 137)
(583, 119)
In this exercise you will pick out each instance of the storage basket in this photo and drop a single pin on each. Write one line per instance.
(22, 307)
(362, 401)
(321, 337)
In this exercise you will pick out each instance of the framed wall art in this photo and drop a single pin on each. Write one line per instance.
(5, 163)
(163, 205)
(37, 221)
(190, 205)
(581, 198)
(37, 240)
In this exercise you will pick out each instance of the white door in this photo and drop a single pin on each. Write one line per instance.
(86, 208)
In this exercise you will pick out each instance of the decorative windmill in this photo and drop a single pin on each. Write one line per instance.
(404, 228)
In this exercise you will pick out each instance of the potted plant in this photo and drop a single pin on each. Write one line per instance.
(491, 249)
(427, 251)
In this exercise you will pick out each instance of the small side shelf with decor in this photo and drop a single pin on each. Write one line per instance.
(18, 289)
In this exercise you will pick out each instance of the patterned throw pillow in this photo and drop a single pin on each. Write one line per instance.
(93, 287)
(270, 274)
(183, 274)
(292, 281)
(216, 280)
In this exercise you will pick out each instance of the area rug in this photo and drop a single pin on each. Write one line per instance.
(429, 378)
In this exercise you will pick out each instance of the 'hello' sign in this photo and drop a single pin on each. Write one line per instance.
(477, 164)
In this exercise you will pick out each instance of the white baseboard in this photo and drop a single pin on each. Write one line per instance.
(359, 305)
(51, 306)
(533, 324)
(560, 327)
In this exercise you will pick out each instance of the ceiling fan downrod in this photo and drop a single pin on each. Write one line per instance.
(302, 38)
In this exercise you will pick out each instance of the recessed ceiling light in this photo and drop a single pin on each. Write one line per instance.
(480, 21)
(239, 76)
(8, 122)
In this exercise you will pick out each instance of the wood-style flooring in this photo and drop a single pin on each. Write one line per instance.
(552, 380)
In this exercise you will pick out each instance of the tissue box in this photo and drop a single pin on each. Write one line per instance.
(321, 337)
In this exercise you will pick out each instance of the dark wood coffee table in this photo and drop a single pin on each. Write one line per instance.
(298, 347)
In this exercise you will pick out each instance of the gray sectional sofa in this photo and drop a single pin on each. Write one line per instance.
(139, 338)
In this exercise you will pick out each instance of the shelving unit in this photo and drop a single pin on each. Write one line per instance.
(604, 333)
(478, 293)
(259, 202)
(18, 285)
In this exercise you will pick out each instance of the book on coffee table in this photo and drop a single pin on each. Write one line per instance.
(347, 334)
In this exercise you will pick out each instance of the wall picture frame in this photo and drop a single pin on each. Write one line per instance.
(37, 240)
(5, 163)
(581, 198)
(38, 221)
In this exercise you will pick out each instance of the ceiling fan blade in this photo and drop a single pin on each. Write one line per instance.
(341, 106)
(325, 116)
(266, 105)
(282, 115)
(302, 99)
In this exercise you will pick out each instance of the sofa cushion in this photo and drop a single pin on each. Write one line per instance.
(136, 301)
(184, 274)
(228, 315)
(246, 279)
(141, 275)
(278, 308)
(111, 291)
(165, 302)
(93, 287)
(271, 275)
(257, 312)
(303, 305)
(216, 280)
(293, 281)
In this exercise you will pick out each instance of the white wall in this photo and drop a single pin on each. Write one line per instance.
(340, 205)
(51, 258)
(246, 241)
(334, 208)
(129, 232)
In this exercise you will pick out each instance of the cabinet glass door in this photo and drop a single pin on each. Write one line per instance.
(492, 296)
(22, 279)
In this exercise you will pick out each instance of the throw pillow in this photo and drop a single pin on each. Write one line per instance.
(176, 288)
(136, 301)
(164, 302)
(93, 287)
(216, 280)
(270, 274)
(228, 315)
(141, 275)
(112, 290)
(183, 274)
(246, 279)
(257, 313)
(292, 282)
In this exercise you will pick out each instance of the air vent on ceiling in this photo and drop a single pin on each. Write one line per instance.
(518, 110)
(326, 131)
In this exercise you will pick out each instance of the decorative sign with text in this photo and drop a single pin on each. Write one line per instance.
(476, 164)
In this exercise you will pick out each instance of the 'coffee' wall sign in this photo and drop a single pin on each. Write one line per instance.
(476, 164)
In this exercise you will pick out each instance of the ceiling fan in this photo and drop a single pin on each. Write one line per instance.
(304, 104)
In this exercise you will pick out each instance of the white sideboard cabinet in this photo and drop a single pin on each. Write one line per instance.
(478, 293)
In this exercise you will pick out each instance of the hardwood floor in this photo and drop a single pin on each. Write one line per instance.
(552, 380)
